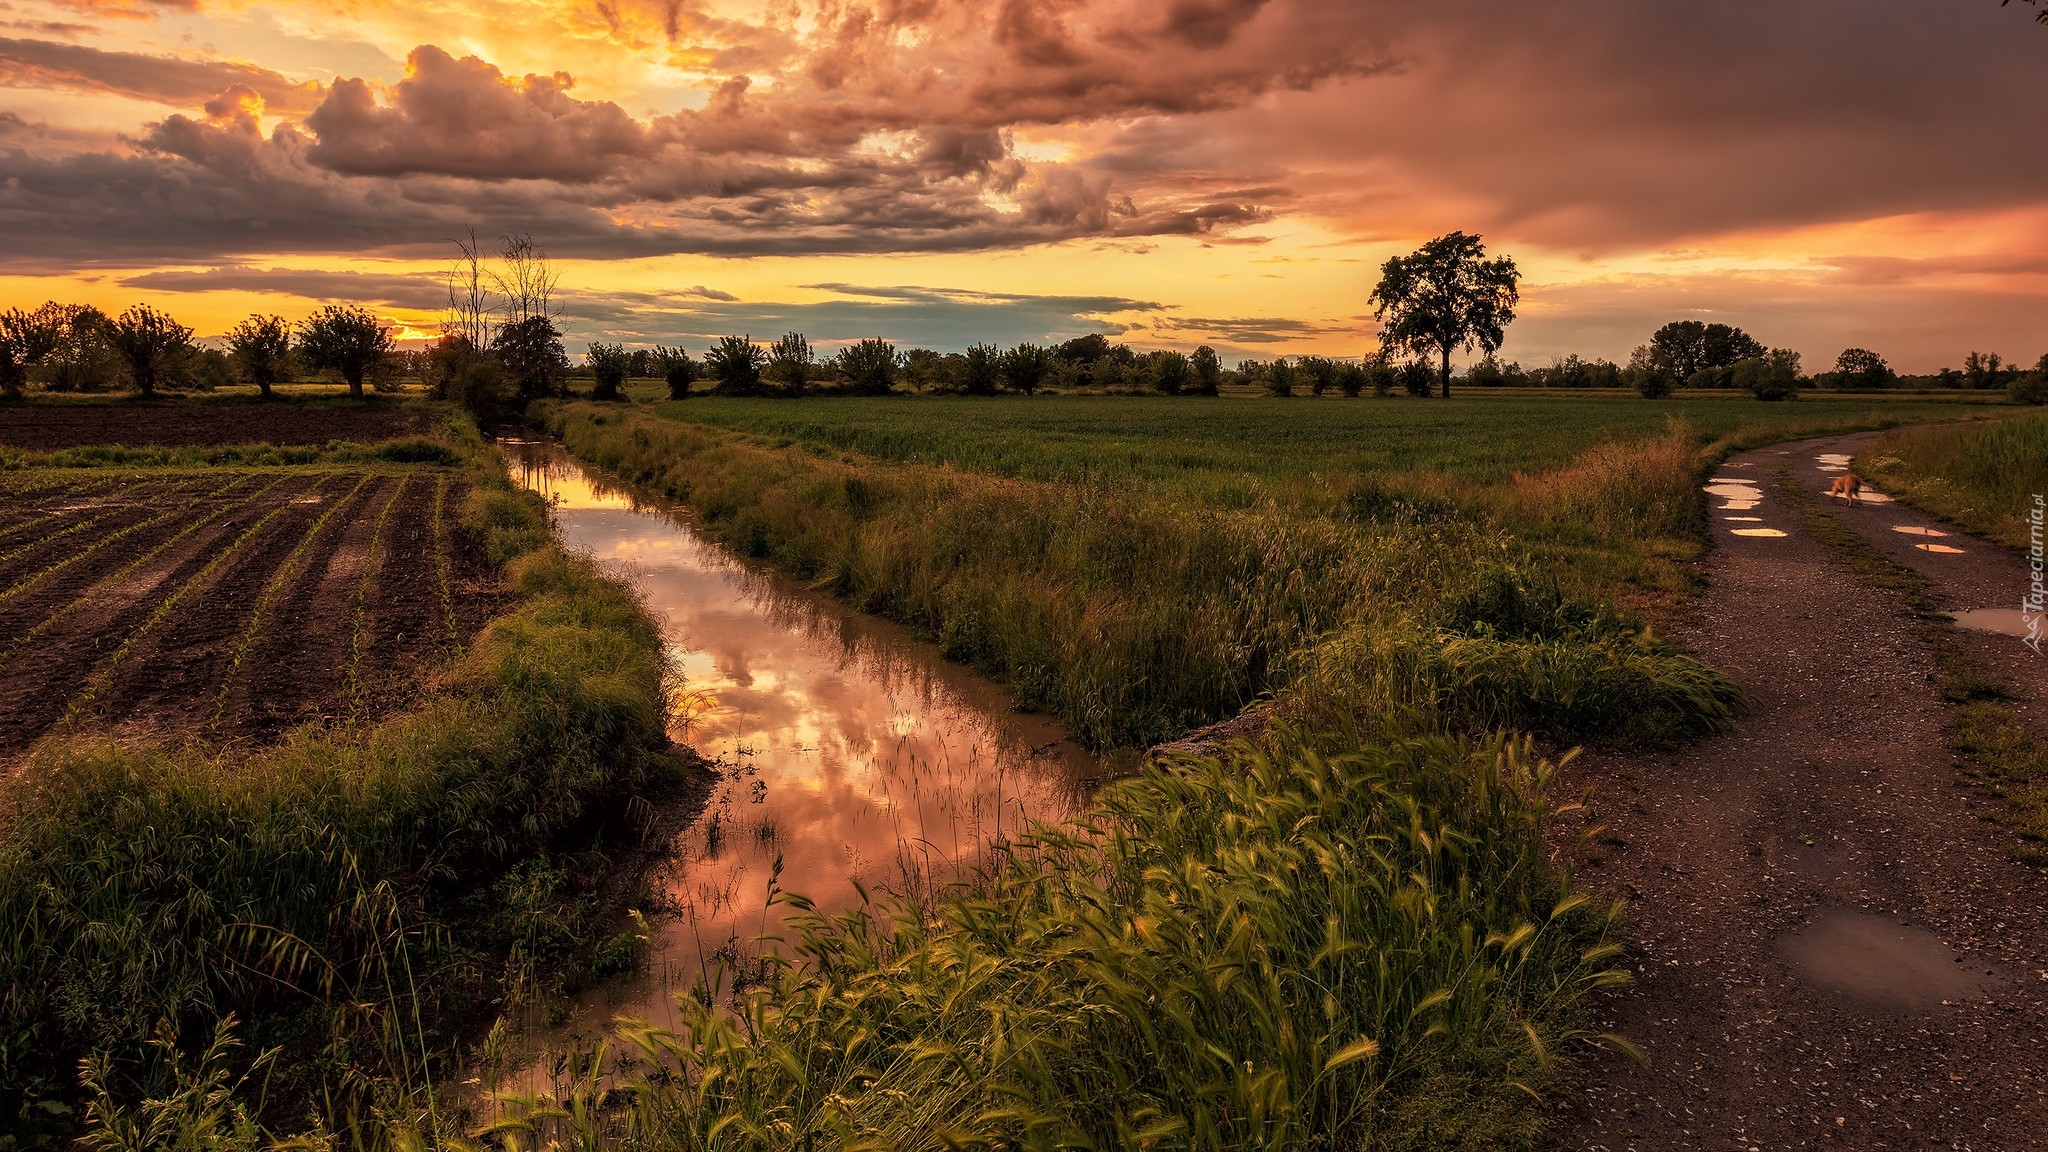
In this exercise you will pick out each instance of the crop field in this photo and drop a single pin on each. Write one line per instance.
(224, 605)
(1223, 443)
(52, 427)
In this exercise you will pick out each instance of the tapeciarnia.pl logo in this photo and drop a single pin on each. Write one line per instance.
(2034, 607)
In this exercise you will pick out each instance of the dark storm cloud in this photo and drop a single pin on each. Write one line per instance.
(942, 318)
(1589, 125)
(463, 118)
(1606, 123)
(1250, 329)
(165, 79)
(698, 315)
(424, 293)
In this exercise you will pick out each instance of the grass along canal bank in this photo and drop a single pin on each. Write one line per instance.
(1058, 996)
(337, 903)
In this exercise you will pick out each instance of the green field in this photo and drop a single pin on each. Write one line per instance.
(1479, 437)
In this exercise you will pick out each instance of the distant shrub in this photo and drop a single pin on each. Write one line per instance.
(676, 370)
(1351, 379)
(1649, 375)
(1025, 367)
(981, 369)
(1279, 377)
(1861, 370)
(1417, 378)
(1172, 374)
(608, 364)
(736, 362)
(2031, 388)
(1774, 376)
(789, 363)
(1319, 371)
(1208, 370)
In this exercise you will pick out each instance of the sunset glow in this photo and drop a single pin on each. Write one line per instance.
(1177, 172)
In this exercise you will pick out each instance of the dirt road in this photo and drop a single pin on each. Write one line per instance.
(1834, 948)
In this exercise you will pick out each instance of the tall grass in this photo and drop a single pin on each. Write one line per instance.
(353, 896)
(1359, 947)
(1982, 476)
(1135, 616)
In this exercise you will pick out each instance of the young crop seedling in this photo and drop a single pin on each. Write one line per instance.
(103, 676)
(358, 637)
(282, 579)
(116, 578)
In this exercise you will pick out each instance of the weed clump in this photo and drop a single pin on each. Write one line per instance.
(1336, 948)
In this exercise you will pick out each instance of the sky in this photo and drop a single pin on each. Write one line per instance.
(1823, 173)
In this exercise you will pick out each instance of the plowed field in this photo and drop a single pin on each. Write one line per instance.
(47, 428)
(227, 605)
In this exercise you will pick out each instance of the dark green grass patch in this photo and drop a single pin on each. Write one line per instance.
(1205, 443)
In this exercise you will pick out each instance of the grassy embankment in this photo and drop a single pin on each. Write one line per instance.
(1353, 932)
(1987, 479)
(1984, 477)
(354, 895)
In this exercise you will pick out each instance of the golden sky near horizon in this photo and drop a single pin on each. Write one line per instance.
(1822, 172)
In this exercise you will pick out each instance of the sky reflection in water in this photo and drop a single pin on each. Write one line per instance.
(846, 748)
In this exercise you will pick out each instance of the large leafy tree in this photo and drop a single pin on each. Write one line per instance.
(1863, 369)
(868, 366)
(789, 362)
(1208, 368)
(25, 338)
(347, 340)
(152, 346)
(1684, 347)
(260, 347)
(980, 369)
(532, 354)
(1025, 367)
(1446, 296)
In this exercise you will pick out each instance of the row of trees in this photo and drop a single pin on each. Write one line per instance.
(78, 348)
(737, 366)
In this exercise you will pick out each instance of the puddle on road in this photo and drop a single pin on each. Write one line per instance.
(1732, 491)
(1944, 549)
(1879, 960)
(1765, 532)
(2004, 621)
(1744, 519)
(849, 750)
(1916, 530)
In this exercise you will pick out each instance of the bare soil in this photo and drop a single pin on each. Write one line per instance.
(227, 606)
(1834, 949)
(52, 427)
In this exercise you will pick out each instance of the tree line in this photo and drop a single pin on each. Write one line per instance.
(500, 349)
(78, 348)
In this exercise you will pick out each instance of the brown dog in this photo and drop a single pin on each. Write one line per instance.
(1848, 486)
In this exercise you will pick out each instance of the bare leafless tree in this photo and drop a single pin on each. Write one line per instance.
(469, 294)
(526, 279)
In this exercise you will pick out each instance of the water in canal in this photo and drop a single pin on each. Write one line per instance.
(845, 749)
